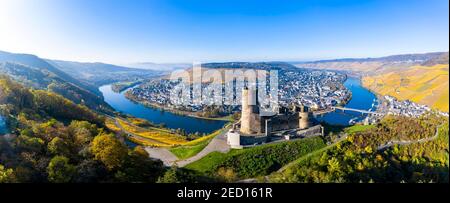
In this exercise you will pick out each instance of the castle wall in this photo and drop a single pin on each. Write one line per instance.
(234, 140)
(245, 113)
(304, 120)
(251, 140)
(251, 122)
(312, 131)
(284, 122)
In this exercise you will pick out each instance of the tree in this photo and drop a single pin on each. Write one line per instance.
(139, 168)
(30, 143)
(6, 175)
(83, 132)
(334, 165)
(236, 116)
(60, 170)
(109, 150)
(227, 174)
(170, 176)
(58, 147)
(90, 171)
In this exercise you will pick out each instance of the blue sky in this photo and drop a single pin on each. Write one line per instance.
(119, 31)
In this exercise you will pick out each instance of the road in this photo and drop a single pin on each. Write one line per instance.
(407, 142)
(162, 154)
(217, 144)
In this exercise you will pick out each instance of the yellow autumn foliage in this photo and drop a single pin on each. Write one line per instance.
(427, 85)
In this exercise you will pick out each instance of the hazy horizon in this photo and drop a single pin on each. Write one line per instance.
(172, 31)
(130, 64)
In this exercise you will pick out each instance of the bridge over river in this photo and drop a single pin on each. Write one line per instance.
(356, 110)
(334, 108)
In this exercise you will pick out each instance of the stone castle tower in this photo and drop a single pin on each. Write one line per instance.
(250, 120)
(303, 120)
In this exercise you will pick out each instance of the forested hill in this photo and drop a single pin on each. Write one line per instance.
(398, 149)
(420, 58)
(375, 66)
(99, 74)
(37, 73)
(34, 61)
(55, 140)
(248, 65)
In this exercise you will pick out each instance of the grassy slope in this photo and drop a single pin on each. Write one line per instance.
(421, 84)
(315, 154)
(191, 148)
(358, 128)
(436, 151)
(214, 160)
(184, 152)
(210, 161)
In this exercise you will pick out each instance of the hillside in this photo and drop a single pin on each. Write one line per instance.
(421, 78)
(55, 140)
(99, 74)
(256, 161)
(373, 66)
(37, 73)
(249, 65)
(427, 85)
(34, 61)
(362, 157)
(164, 67)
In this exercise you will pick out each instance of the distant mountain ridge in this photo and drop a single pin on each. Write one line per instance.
(374, 66)
(440, 59)
(165, 67)
(394, 58)
(99, 74)
(35, 72)
(34, 61)
(250, 65)
(422, 78)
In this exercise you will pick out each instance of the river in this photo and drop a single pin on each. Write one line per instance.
(3, 129)
(174, 121)
(361, 99)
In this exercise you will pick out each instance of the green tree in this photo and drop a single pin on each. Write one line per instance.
(83, 132)
(170, 176)
(334, 165)
(109, 150)
(60, 170)
(30, 143)
(6, 175)
(139, 168)
(58, 147)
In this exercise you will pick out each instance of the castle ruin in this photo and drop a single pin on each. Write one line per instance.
(257, 126)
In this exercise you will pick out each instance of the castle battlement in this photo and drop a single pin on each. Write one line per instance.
(256, 126)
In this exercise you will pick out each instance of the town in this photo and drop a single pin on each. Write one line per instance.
(317, 89)
(405, 108)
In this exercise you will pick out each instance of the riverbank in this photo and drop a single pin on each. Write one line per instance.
(158, 116)
(122, 86)
(360, 98)
(176, 111)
